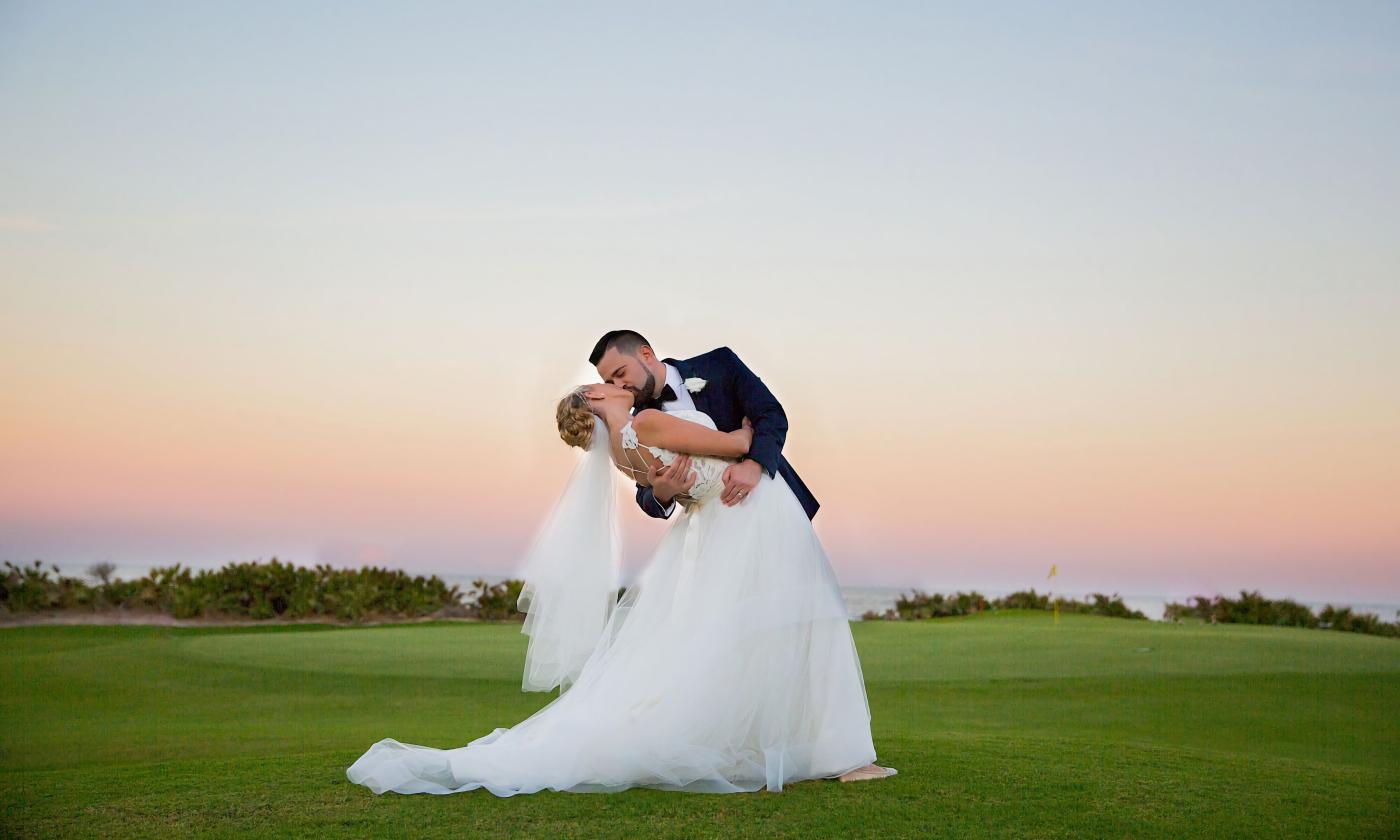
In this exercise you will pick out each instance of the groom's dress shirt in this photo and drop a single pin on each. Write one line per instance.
(683, 400)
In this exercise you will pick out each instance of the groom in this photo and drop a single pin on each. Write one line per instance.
(729, 393)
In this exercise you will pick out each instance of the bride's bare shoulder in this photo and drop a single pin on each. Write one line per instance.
(648, 419)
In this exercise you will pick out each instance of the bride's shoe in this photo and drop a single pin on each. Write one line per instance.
(869, 771)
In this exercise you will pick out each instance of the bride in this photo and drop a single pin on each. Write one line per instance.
(727, 667)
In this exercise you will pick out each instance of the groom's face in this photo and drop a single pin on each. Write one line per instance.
(629, 371)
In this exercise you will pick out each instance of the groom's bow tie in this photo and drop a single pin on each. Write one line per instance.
(667, 394)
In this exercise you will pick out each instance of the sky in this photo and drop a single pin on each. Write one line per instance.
(1113, 286)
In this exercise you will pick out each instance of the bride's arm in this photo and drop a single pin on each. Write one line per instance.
(657, 428)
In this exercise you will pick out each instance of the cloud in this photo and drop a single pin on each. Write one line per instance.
(26, 224)
(400, 215)
(601, 210)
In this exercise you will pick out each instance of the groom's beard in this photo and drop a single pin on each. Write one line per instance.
(642, 396)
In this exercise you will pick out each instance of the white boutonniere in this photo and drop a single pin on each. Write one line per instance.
(694, 384)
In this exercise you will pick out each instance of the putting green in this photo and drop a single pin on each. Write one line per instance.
(1006, 725)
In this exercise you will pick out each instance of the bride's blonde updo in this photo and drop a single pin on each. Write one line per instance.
(575, 419)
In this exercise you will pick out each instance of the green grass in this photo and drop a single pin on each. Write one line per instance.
(1001, 726)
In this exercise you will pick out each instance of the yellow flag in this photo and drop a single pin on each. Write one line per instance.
(1052, 572)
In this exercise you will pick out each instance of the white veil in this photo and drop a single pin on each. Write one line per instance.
(571, 572)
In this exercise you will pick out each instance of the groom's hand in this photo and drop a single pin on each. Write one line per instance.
(667, 482)
(739, 481)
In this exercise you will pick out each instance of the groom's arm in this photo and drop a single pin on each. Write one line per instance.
(770, 423)
(646, 500)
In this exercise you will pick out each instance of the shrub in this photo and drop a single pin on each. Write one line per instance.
(29, 588)
(251, 590)
(498, 602)
(1342, 618)
(1254, 608)
(919, 605)
(102, 571)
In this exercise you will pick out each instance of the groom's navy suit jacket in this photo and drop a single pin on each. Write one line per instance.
(731, 393)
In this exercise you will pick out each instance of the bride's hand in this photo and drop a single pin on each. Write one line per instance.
(744, 434)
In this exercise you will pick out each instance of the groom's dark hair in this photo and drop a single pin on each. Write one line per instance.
(626, 341)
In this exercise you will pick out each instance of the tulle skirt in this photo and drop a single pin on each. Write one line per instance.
(727, 667)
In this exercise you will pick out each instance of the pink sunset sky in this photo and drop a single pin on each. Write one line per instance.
(1119, 293)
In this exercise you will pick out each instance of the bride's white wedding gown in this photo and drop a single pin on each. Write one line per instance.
(728, 666)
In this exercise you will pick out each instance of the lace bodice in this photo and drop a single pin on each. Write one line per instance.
(708, 469)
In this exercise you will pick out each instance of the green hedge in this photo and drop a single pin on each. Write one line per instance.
(1254, 608)
(257, 591)
(920, 605)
